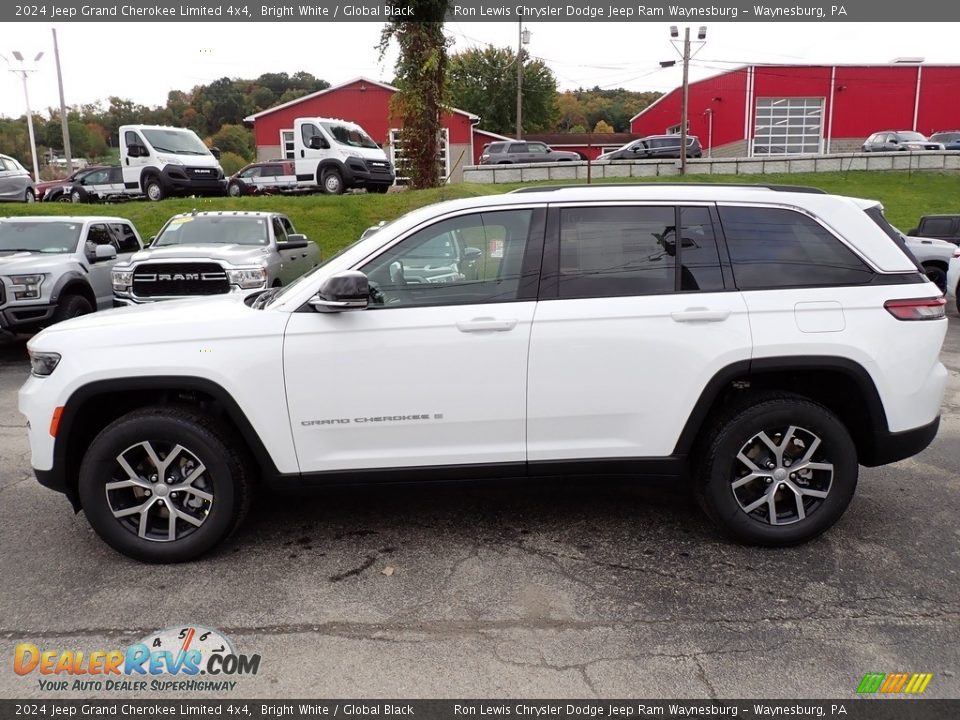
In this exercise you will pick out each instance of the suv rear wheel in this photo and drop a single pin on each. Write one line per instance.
(779, 471)
(163, 484)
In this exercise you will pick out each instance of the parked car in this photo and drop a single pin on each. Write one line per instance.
(610, 340)
(894, 140)
(943, 227)
(15, 182)
(102, 185)
(56, 268)
(212, 253)
(160, 161)
(519, 151)
(262, 178)
(59, 190)
(950, 139)
(654, 146)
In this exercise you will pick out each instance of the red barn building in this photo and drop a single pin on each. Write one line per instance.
(808, 109)
(367, 103)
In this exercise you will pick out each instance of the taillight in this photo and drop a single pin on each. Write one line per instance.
(917, 308)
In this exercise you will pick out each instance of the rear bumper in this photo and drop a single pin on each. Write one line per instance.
(890, 447)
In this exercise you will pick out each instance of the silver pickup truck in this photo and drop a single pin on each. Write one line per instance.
(55, 268)
(211, 253)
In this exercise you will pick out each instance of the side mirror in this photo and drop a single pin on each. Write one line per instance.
(894, 141)
(136, 151)
(215, 151)
(472, 253)
(103, 252)
(318, 142)
(348, 290)
(150, 241)
(293, 242)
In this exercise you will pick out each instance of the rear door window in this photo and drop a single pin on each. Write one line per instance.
(780, 248)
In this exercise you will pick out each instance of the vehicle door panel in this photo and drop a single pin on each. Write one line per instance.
(99, 272)
(623, 340)
(424, 376)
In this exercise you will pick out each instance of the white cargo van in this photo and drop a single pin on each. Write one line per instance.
(158, 161)
(337, 155)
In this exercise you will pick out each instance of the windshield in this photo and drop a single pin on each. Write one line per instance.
(911, 137)
(48, 237)
(180, 142)
(352, 135)
(213, 230)
(946, 137)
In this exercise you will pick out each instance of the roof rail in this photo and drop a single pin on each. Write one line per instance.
(757, 186)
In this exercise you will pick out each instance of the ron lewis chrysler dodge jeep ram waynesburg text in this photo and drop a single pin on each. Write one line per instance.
(763, 342)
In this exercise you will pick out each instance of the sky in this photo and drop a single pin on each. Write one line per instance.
(610, 55)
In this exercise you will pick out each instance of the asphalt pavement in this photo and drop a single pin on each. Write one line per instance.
(574, 590)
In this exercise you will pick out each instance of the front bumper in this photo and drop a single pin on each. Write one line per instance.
(178, 180)
(122, 299)
(26, 318)
(359, 173)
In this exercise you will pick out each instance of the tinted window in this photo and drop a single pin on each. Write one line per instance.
(496, 147)
(937, 227)
(99, 235)
(469, 259)
(518, 148)
(279, 231)
(699, 259)
(251, 172)
(308, 131)
(126, 240)
(774, 248)
(608, 252)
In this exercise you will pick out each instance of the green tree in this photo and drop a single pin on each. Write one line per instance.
(234, 139)
(231, 163)
(484, 81)
(420, 76)
(602, 127)
(221, 103)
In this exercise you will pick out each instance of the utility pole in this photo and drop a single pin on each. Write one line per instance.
(63, 107)
(685, 101)
(519, 79)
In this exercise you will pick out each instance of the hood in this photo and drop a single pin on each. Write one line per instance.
(232, 253)
(930, 248)
(362, 152)
(565, 154)
(28, 263)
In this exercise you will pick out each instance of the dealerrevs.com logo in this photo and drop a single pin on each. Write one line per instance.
(169, 660)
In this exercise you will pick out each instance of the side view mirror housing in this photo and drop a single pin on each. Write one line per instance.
(137, 151)
(348, 290)
(103, 252)
(472, 253)
(296, 241)
(318, 142)
(215, 151)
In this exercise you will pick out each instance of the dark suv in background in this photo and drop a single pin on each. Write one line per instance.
(950, 139)
(894, 140)
(520, 151)
(655, 146)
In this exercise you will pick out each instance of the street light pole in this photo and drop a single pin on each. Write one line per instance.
(519, 79)
(22, 72)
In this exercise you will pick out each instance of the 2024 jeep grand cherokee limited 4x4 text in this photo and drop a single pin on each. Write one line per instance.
(782, 340)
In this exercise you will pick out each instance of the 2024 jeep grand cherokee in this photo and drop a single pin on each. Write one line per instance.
(784, 339)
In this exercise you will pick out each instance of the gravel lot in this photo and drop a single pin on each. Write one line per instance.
(577, 590)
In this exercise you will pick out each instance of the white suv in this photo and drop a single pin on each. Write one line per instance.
(780, 339)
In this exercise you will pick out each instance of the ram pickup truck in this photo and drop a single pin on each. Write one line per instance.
(212, 253)
(56, 268)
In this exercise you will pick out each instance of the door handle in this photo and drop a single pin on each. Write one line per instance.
(485, 324)
(700, 314)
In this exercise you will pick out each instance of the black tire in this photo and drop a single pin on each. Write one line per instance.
(331, 182)
(202, 438)
(78, 196)
(29, 196)
(937, 275)
(71, 306)
(234, 189)
(736, 430)
(153, 189)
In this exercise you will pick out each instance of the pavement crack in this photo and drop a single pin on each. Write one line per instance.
(702, 675)
(366, 565)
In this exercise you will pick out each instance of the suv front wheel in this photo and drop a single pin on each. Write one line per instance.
(163, 484)
(779, 471)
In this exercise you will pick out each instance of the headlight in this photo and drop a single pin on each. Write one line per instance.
(122, 279)
(43, 363)
(169, 160)
(26, 287)
(247, 279)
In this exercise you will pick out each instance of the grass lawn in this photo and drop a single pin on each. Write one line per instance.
(335, 221)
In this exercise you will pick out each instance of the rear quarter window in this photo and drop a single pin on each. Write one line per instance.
(779, 248)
